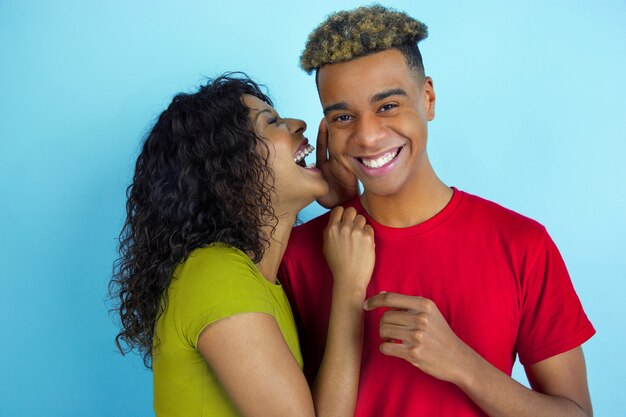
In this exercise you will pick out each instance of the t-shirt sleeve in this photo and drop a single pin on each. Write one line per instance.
(552, 319)
(215, 284)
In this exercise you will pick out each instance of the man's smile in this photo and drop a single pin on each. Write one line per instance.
(380, 160)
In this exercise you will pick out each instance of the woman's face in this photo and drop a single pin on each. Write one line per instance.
(295, 185)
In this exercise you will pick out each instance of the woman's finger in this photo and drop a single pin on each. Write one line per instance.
(360, 221)
(349, 215)
(321, 147)
(335, 215)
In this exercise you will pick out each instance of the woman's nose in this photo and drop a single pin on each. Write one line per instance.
(296, 126)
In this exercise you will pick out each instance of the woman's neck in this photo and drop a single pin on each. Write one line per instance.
(278, 238)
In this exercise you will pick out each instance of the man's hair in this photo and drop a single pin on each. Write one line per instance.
(347, 35)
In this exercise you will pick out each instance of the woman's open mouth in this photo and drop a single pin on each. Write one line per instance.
(303, 151)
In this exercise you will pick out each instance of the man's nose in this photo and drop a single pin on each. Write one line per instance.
(369, 130)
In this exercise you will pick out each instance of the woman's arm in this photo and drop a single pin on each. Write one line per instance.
(251, 359)
(349, 251)
(253, 362)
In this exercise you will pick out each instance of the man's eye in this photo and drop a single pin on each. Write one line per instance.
(272, 120)
(387, 107)
(342, 118)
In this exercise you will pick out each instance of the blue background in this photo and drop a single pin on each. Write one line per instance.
(531, 110)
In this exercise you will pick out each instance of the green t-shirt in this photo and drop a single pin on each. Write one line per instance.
(214, 282)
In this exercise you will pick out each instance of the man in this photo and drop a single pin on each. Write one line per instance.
(461, 285)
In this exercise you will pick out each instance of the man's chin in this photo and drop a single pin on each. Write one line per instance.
(379, 190)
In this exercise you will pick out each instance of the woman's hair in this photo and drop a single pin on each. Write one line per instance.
(198, 179)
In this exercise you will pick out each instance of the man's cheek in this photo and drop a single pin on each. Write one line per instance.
(336, 143)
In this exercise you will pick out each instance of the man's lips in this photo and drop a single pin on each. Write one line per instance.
(379, 160)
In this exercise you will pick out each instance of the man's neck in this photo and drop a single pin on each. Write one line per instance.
(416, 203)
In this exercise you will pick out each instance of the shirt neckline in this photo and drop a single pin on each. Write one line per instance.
(420, 228)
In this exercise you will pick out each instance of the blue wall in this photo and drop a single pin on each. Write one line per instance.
(530, 113)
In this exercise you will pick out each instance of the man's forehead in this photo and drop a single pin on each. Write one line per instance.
(383, 70)
(390, 56)
(334, 90)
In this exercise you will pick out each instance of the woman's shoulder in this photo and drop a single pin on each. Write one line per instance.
(214, 282)
(216, 257)
(215, 267)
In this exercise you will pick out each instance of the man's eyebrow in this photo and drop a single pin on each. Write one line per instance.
(387, 93)
(337, 106)
(375, 98)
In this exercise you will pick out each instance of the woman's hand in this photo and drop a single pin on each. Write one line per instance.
(349, 249)
(342, 184)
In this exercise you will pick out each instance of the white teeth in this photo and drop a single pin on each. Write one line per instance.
(304, 152)
(379, 162)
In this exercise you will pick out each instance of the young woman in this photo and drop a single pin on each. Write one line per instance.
(216, 190)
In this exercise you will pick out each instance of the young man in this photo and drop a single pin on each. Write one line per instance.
(461, 285)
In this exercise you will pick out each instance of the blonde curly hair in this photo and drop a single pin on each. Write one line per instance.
(351, 34)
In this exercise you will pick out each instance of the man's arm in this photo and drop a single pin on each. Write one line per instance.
(559, 388)
(560, 382)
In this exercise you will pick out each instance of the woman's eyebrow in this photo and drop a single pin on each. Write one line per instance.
(256, 116)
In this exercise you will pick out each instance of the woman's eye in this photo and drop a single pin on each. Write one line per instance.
(272, 120)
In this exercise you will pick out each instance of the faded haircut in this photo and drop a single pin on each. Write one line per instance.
(351, 34)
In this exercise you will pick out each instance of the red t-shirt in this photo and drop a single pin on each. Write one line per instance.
(495, 275)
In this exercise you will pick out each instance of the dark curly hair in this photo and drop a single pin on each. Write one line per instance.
(351, 34)
(198, 179)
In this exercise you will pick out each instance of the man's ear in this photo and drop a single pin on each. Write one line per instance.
(429, 98)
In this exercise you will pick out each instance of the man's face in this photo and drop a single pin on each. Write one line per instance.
(377, 112)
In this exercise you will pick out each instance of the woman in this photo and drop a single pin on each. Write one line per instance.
(216, 190)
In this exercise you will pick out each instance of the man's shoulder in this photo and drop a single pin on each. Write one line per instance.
(311, 227)
(304, 254)
(306, 238)
(505, 219)
(312, 230)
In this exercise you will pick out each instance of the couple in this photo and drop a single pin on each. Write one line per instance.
(426, 322)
